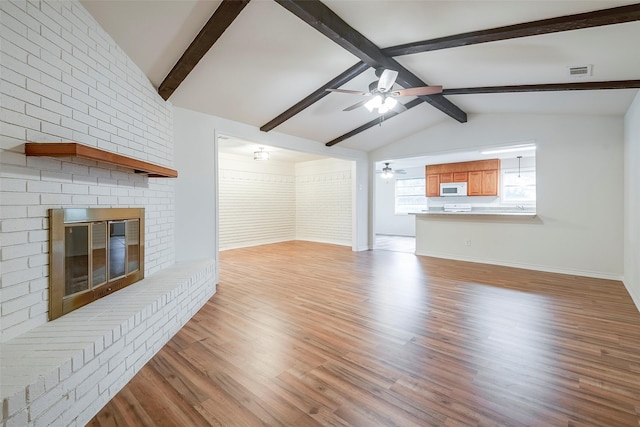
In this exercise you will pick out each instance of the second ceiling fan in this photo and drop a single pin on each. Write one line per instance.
(382, 96)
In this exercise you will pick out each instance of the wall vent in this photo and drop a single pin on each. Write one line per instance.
(581, 71)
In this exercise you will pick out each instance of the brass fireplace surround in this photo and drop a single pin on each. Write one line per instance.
(92, 253)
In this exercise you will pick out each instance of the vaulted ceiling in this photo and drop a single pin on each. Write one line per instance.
(270, 61)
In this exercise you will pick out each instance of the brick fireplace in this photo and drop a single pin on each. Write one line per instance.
(66, 80)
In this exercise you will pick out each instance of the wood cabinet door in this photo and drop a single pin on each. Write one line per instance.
(490, 183)
(433, 185)
(460, 176)
(446, 177)
(474, 187)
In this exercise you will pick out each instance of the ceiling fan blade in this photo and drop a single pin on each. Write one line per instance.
(417, 91)
(357, 105)
(351, 92)
(387, 79)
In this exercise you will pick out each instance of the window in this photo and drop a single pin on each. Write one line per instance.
(519, 187)
(410, 195)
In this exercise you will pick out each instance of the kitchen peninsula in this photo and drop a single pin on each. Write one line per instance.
(473, 206)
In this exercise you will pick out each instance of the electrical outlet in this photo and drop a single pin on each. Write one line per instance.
(467, 242)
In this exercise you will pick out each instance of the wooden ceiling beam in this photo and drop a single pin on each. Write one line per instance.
(378, 120)
(318, 94)
(616, 84)
(616, 15)
(549, 87)
(323, 19)
(597, 18)
(224, 15)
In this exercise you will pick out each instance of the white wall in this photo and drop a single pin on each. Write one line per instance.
(257, 201)
(65, 79)
(386, 220)
(632, 200)
(196, 188)
(579, 201)
(196, 131)
(324, 208)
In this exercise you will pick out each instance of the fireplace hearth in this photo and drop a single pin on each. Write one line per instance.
(93, 253)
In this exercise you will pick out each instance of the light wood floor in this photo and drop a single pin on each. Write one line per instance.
(306, 334)
(385, 242)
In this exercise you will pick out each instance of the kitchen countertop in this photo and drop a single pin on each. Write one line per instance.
(480, 212)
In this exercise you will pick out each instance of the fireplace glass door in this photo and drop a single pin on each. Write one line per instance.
(93, 252)
(76, 249)
(98, 253)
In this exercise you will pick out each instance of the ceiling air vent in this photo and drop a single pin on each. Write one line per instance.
(581, 71)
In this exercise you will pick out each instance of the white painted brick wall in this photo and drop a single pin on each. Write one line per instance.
(62, 78)
(257, 202)
(272, 202)
(62, 373)
(324, 201)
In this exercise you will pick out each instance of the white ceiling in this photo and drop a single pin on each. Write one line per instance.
(268, 59)
(245, 149)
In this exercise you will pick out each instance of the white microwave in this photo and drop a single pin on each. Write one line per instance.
(453, 189)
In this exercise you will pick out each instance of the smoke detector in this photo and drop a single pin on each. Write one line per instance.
(580, 71)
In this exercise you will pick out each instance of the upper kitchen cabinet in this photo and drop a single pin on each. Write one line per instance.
(490, 182)
(433, 185)
(460, 176)
(483, 183)
(481, 176)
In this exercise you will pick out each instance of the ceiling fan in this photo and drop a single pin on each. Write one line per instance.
(387, 172)
(382, 96)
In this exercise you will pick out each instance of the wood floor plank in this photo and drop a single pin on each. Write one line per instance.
(310, 334)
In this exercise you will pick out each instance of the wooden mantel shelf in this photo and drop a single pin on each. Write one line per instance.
(73, 149)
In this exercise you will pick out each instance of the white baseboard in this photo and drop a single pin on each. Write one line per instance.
(535, 267)
(634, 297)
(328, 241)
(253, 243)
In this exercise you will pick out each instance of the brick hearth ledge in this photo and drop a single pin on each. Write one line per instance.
(65, 371)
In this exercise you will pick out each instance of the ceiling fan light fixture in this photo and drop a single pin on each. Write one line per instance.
(374, 103)
(390, 103)
(381, 103)
(387, 172)
(261, 154)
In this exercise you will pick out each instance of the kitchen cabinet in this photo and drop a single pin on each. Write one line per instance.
(474, 185)
(433, 185)
(463, 167)
(490, 183)
(481, 176)
(483, 183)
(446, 177)
(454, 177)
(460, 176)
